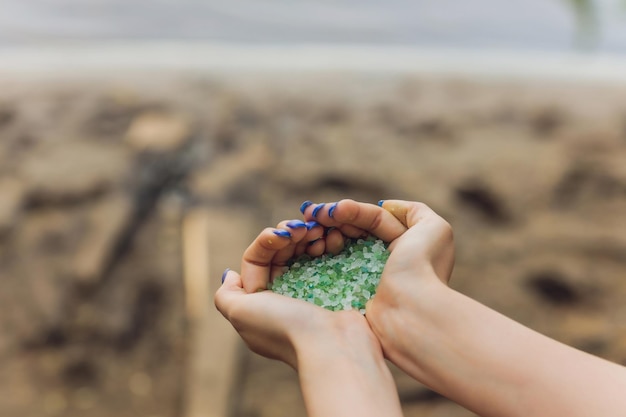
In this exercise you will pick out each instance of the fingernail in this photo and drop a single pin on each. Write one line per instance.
(310, 225)
(317, 209)
(380, 203)
(331, 210)
(304, 206)
(282, 233)
(311, 243)
(224, 274)
(295, 224)
(327, 231)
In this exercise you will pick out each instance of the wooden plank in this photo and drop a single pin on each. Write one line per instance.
(213, 240)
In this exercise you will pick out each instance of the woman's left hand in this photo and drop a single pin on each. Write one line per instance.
(333, 352)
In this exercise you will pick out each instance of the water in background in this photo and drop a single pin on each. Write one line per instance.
(529, 24)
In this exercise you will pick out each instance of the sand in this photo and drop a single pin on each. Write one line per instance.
(95, 176)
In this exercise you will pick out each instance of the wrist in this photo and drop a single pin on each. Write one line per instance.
(407, 311)
(345, 357)
(334, 335)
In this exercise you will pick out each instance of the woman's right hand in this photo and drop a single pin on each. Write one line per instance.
(419, 266)
(425, 251)
(458, 347)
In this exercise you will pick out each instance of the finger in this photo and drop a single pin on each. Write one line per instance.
(316, 248)
(231, 287)
(352, 231)
(298, 229)
(369, 217)
(314, 232)
(424, 222)
(257, 259)
(298, 232)
(322, 213)
(409, 213)
(335, 241)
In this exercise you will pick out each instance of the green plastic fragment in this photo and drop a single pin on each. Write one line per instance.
(345, 281)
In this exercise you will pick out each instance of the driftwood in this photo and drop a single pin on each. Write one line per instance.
(212, 364)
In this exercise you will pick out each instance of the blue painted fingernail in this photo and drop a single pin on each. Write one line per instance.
(331, 210)
(282, 233)
(295, 224)
(304, 206)
(313, 242)
(380, 203)
(317, 209)
(310, 225)
(224, 274)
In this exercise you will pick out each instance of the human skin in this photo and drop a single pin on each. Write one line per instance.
(460, 348)
(339, 361)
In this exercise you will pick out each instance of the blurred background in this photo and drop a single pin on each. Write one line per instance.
(537, 24)
(143, 144)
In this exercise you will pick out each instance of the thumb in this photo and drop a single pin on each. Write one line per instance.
(232, 287)
(231, 279)
(408, 212)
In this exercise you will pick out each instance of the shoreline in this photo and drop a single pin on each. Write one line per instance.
(99, 59)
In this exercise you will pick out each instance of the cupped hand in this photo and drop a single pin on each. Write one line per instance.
(421, 259)
(277, 326)
(420, 240)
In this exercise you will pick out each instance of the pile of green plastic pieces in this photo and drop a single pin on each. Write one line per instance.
(345, 281)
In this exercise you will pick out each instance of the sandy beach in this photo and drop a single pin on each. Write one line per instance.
(97, 173)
